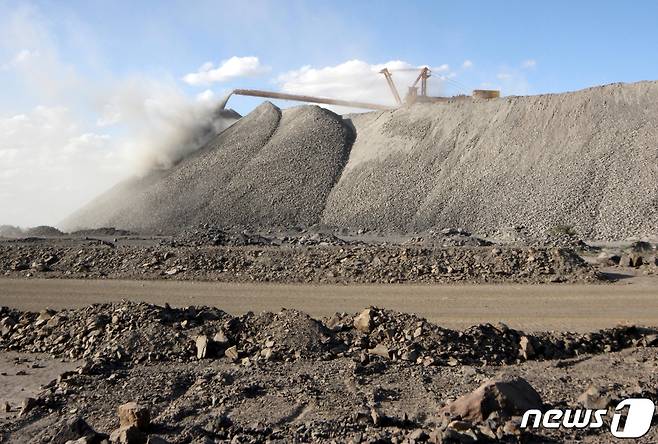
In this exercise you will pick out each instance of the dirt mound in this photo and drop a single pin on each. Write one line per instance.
(585, 159)
(269, 168)
(130, 332)
(288, 334)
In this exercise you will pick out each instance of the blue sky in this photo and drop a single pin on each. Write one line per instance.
(86, 84)
(574, 44)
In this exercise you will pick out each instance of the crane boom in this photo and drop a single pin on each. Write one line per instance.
(391, 85)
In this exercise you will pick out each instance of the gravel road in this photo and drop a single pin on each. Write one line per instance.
(528, 307)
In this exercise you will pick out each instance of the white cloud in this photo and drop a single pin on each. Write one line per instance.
(441, 68)
(358, 80)
(230, 69)
(529, 64)
(467, 64)
(49, 165)
(23, 55)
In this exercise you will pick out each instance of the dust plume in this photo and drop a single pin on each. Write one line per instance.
(161, 124)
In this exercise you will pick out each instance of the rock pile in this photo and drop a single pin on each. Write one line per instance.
(449, 237)
(321, 264)
(206, 234)
(582, 159)
(542, 162)
(105, 332)
(405, 337)
(269, 168)
(132, 333)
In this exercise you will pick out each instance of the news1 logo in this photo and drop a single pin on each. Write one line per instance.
(637, 423)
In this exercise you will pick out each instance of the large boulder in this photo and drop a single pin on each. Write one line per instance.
(507, 396)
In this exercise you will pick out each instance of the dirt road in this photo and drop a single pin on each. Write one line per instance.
(528, 307)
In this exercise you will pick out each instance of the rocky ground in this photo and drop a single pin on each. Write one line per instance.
(134, 372)
(196, 374)
(208, 253)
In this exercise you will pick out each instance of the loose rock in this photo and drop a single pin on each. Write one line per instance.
(507, 397)
(134, 414)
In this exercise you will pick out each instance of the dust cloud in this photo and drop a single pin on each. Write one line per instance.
(163, 125)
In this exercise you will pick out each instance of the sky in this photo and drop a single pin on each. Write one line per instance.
(94, 92)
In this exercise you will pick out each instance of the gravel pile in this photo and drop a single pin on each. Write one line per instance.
(587, 159)
(167, 200)
(288, 181)
(255, 261)
(133, 333)
(584, 160)
(269, 168)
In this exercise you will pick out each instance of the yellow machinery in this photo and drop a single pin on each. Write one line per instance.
(486, 93)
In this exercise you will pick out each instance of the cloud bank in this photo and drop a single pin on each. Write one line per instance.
(360, 81)
(230, 69)
(49, 164)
